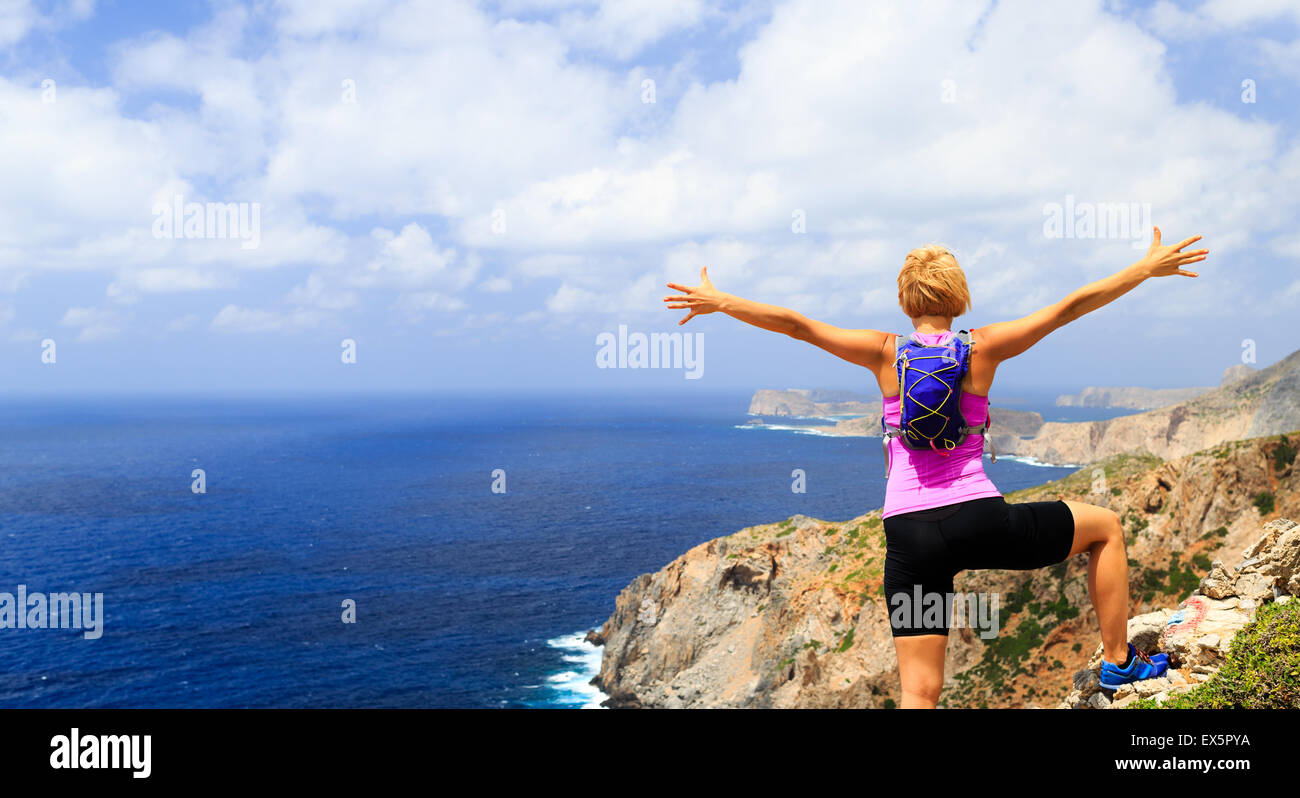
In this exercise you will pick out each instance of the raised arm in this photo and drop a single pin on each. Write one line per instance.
(1005, 340)
(863, 347)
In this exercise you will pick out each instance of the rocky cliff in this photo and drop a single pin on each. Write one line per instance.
(1146, 398)
(1264, 402)
(809, 403)
(791, 614)
(1136, 398)
(1199, 633)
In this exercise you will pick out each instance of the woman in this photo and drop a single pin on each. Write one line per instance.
(942, 515)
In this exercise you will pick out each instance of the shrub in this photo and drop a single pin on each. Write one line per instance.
(1264, 502)
(1283, 455)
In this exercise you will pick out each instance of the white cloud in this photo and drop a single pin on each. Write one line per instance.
(623, 28)
(164, 280)
(17, 17)
(1213, 16)
(96, 323)
(183, 323)
(410, 258)
(429, 300)
(496, 285)
(835, 113)
(315, 292)
(235, 319)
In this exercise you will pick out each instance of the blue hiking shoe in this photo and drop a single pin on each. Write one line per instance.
(1140, 666)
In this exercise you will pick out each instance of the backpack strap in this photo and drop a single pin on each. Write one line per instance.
(966, 338)
(890, 432)
(983, 429)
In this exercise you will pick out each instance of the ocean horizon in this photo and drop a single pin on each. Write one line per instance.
(228, 535)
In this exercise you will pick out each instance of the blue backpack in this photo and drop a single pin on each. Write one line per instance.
(929, 382)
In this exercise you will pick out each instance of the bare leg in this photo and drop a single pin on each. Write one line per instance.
(920, 669)
(1099, 531)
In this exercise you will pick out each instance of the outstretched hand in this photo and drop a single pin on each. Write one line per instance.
(701, 299)
(1162, 261)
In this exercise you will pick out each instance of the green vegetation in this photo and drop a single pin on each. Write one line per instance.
(1118, 469)
(1283, 455)
(847, 641)
(1262, 670)
(1135, 524)
(1264, 502)
(1176, 580)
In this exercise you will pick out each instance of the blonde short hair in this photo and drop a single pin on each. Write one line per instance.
(932, 284)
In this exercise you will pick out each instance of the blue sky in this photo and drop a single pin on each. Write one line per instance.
(473, 192)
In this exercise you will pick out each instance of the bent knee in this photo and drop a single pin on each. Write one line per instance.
(1111, 528)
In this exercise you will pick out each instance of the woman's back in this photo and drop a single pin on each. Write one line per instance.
(920, 480)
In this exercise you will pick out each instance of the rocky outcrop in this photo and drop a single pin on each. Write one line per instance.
(792, 614)
(1232, 374)
(1198, 633)
(1264, 402)
(802, 402)
(1136, 398)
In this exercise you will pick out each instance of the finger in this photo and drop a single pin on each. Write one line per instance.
(704, 274)
(677, 287)
(1155, 236)
(689, 316)
(1187, 274)
(1191, 240)
(1191, 257)
(677, 306)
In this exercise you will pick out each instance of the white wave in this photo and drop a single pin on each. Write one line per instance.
(573, 686)
(831, 418)
(1033, 461)
(789, 428)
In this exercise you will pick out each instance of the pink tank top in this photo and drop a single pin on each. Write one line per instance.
(921, 480)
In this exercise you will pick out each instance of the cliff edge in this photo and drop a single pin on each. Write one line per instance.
(792, 614)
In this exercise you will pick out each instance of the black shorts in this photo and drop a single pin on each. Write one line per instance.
(925, 549)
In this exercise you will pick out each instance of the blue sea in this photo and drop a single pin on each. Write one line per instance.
(464, 597)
